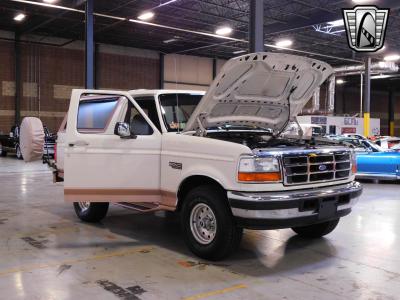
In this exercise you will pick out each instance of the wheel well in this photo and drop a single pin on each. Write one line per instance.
(192, 182)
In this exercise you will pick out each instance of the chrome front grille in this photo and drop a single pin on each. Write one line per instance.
(316, 167)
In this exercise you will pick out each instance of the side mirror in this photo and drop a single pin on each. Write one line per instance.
(123, 130)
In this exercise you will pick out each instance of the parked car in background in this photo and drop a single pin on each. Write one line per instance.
(10, 143)
(308, 130)
(49, 143)
(386, 142)
(373, 162)
(396, 148)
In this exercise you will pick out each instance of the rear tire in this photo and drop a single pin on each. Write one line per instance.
(18, 152)
(91, 212)
(316, 230)
(209, 229)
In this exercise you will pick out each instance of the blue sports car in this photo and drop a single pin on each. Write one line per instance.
(373, 162)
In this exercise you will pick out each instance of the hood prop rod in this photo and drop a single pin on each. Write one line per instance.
(301, 132)
(201, 131)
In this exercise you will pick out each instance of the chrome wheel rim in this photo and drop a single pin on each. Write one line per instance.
(18, 152)
(203, 223)
(84, 205)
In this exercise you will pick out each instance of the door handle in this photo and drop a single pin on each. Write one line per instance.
(79, 144)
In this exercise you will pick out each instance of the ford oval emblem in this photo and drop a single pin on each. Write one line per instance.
(322, 167)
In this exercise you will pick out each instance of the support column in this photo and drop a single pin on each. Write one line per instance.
(96, 66)
(367, 96)
(18, 79)
(361, 95)
(89, 45)
(162, 69)
(214, 70)
(256, 24)
(392, 100)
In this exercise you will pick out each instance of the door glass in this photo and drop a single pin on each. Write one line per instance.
(95, 112)
(176, 109)
(137, 122)
(148, 104)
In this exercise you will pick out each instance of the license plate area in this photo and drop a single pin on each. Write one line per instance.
(327, 208)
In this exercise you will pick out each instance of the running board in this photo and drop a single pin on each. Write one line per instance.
(139, 206)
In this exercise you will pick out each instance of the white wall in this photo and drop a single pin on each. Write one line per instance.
(343, 124)
(189, 72)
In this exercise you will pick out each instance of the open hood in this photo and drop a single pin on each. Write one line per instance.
(259, 89)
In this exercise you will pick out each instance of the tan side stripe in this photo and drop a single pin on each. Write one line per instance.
(116, 192)
(119, 192)
(164, 198)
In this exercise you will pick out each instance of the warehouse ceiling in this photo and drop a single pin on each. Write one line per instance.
(188, 26)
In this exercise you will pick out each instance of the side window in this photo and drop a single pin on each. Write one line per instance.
(148, 104)
(138, 124)
(94, 113)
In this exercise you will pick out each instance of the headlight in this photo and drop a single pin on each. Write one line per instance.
(259, 169)
(353, 162)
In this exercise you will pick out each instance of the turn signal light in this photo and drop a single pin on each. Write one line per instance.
(261, 177)
(354, 168)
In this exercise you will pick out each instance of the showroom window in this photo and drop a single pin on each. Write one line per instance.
(94, 114)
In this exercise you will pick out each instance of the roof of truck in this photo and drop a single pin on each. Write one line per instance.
(162, 91)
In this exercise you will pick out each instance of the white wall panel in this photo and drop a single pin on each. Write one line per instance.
(187, 69)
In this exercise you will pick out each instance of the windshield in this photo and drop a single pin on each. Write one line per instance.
(177, 108)
(364, 144)
(396, 147)
(372, 146)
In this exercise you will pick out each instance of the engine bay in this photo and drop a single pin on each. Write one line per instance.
(261, 139)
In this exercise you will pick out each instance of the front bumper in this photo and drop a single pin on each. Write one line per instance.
(273, 210)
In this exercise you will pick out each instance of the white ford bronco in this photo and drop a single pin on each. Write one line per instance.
(218, 158)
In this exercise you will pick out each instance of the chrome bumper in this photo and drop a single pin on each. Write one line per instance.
(293, 208)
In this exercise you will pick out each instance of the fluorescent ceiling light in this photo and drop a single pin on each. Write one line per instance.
(284, 43)
(166, 3)
(170, 41)
(239, 51)
(337, 31)
(19, 17)
(392, 57)
(339, 81)
(380, 76)
(146, 16)
(226, 30)
(336, 23)
(50, 1)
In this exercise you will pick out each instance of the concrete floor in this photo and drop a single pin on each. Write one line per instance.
(47, 253)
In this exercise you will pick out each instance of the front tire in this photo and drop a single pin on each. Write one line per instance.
(2, 152)
(209, 229)
(316, 230)
(91, 212)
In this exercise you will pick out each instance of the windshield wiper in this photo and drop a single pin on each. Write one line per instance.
(241, 127)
